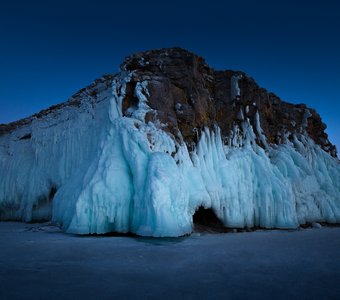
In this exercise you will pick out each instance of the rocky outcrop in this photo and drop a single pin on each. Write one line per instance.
(188, 95)
(140, 151)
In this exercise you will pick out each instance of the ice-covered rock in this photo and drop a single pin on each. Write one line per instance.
(316, 225)
(140, 151)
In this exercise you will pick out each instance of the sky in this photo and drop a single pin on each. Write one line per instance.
(51, 49)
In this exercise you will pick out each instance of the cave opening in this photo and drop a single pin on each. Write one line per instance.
(205, 219)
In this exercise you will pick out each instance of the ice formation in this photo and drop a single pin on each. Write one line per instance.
(235, 90)
(92, 169)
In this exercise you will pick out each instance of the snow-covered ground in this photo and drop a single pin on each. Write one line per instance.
(38, 261)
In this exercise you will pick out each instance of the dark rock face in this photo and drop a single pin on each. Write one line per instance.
(188, 95)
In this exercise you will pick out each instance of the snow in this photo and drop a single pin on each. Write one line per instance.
(39, 262)
(117, 173)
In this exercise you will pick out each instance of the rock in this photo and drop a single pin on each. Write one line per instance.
(186, 93)
(166, 144)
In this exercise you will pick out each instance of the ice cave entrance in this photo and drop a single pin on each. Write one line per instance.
(205, 219)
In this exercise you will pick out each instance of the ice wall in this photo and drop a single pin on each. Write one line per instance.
(116, 173)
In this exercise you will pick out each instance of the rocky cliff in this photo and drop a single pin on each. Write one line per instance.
(215, 132)
(188, 96)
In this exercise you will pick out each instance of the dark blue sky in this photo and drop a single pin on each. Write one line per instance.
(51, 49)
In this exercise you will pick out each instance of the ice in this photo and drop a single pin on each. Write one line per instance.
(306, 115)
(235, 90)
(141, 92)
(240, 115)
(93, 170)
(247, 109)
(39, 262)
(259, 130)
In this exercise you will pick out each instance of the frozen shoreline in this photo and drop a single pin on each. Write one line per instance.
(40, 262)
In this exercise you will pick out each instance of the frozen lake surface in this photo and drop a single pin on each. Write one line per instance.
(37, 261)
